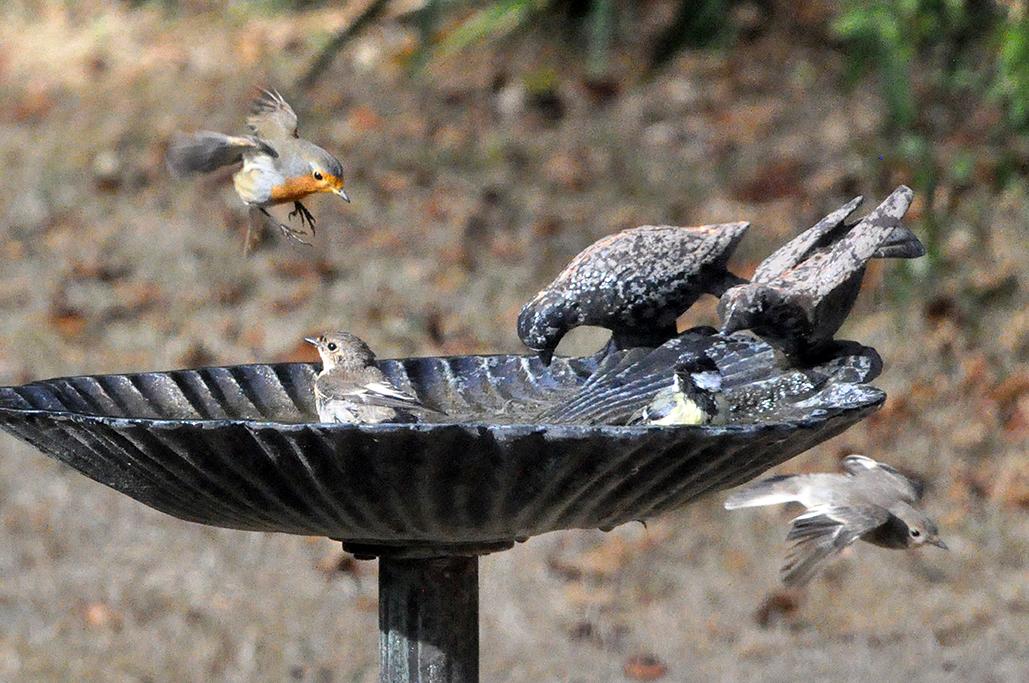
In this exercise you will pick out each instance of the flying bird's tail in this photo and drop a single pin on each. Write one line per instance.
(206, 150)
(783, 488)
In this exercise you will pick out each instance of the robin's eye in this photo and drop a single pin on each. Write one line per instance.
(318, 175)
(915, 533)
(331, 346)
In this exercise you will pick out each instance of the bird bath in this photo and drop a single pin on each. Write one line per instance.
(235, 447)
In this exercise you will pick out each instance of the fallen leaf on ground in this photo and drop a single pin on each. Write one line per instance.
(645, 667)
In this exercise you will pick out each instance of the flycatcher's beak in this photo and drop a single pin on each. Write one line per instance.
(343, 195)
(311, 340)
(939, 543)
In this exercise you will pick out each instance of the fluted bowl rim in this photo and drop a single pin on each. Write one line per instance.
(876, 397)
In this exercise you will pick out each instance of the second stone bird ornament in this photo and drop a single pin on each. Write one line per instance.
(802, 293)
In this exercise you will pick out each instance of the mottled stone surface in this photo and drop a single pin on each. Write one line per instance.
(635, 283)
(802, 293)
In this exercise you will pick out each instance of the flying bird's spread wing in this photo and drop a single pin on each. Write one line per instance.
(205, 151)
(821, 533)
(801, 246)
(860, 465)
(271, 116)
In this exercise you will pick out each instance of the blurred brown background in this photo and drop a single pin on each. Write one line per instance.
(486, 143)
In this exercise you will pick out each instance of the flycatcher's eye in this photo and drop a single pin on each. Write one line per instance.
(331, 346)
(318, 175)
(915, 533)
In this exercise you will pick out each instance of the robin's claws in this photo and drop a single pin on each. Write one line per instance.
(292, 234)
(305, 215)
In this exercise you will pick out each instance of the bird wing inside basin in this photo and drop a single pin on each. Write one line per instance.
(229, 447)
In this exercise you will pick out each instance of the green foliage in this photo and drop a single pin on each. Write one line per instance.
(493, 20)
(1012, 82)
(930, 52)
(696, 23)
(893, 37)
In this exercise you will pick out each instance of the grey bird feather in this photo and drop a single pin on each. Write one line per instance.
(872, 502)
(615, 394)
(367, 387)
(798, 308)
(206, 151)
(636, 283)
(753, 385)
(272, 117)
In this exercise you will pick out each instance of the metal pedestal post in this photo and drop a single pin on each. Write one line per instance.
(429, 620)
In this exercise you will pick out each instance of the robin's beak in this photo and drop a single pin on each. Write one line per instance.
(311, 340)
(343, 194)
(938, 543)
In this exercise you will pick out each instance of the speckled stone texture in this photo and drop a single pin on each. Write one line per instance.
(636, 283)
(803, 292)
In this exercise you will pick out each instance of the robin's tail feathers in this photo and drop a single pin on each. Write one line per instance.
(206, 151)
(777, 490)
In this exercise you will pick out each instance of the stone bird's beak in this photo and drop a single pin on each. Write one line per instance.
(546, 355)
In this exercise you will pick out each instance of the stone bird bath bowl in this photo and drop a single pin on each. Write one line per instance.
(237, 447)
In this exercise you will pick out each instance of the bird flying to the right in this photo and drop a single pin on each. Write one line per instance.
(871, 502)
(278, 166)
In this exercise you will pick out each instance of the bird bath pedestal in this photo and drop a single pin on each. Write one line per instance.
(235, 447)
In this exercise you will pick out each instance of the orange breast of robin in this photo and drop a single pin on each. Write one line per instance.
(295, 189)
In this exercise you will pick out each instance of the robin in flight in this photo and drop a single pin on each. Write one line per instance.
(872, 502)
(279, 166)
(351, 388)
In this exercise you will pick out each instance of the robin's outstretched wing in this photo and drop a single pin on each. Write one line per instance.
(821, 533)
(206, 150)
(271, 116)
(801, 246)
(860, 465)
(376, 392)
